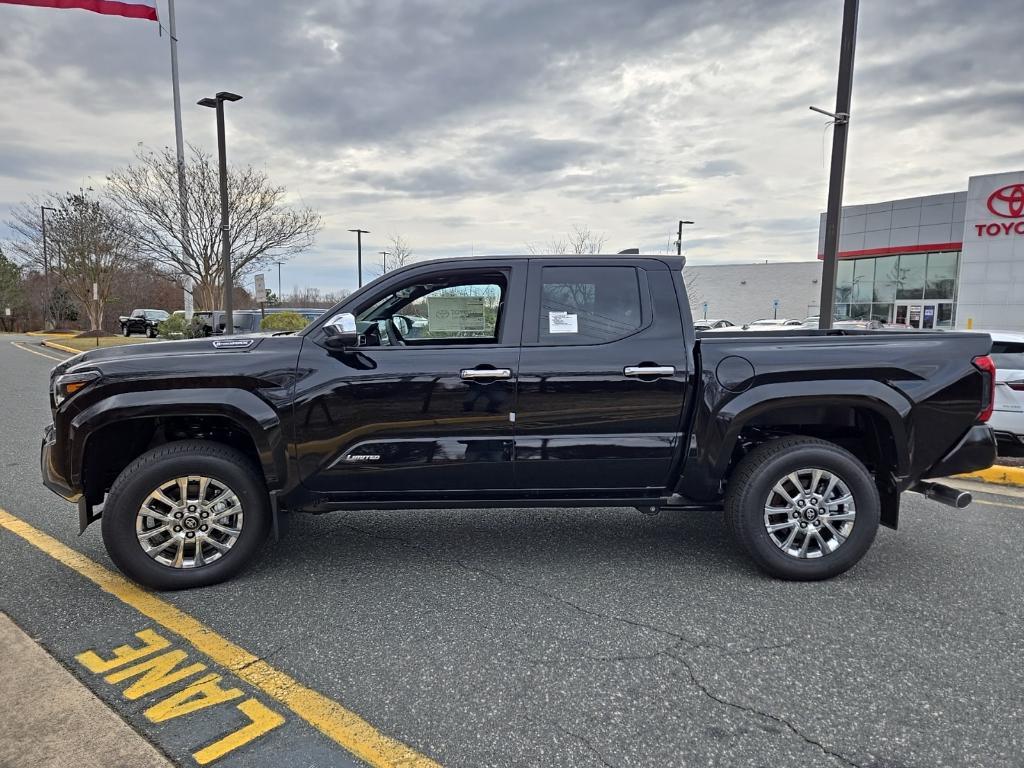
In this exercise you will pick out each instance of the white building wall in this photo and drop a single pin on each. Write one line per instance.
(743, 293)
(991, 285)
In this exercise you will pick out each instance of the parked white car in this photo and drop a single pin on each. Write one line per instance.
(1008, 415)
(711, 325)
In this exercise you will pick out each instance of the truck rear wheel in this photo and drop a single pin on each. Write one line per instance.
(185, 514)
(803, 508)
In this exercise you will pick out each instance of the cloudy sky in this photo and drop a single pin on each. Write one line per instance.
(484, 127)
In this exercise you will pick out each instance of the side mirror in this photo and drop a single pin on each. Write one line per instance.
(341, 331)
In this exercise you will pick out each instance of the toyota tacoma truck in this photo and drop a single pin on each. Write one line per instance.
(143, 321)
(513, 382)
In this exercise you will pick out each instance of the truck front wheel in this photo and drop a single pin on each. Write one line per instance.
(185, 514)
(803, 508)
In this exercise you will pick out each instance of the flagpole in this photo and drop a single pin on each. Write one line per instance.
(180, 143)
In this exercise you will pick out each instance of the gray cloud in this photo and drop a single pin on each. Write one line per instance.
(437, 115)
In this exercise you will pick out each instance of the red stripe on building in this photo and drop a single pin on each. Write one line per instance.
(108, 7)
(897, 249)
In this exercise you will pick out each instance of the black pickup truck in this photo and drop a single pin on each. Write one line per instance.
(511, 382)
(143, 321)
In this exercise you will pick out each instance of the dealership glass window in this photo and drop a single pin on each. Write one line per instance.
(886, 274)
(863, 279)
(881, 312)
(860, 311)
(844, 280)
(941, 275)
(911, 276)
(945, 316)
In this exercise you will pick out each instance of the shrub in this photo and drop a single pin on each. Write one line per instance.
(283, 321)
(177, 327)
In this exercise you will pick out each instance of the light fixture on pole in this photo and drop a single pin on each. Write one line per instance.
(359, 252)
(384, 259)
(47, 308)
(217, 103)
(679, 238)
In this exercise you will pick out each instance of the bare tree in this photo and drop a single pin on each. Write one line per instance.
(399, 253)
(89, 243)
(581, 241)
(263, 228)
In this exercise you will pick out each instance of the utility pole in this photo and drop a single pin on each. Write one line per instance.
(359, 251)
(844, 91)
(679, 238)
(217, 103)
(384, 260)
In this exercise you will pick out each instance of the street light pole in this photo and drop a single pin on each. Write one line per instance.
(279, 263)
(844, 90)
(679, 239)
(217, 103)
(359, 252)
(384, 260)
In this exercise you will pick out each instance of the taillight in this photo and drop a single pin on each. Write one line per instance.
(988, 368)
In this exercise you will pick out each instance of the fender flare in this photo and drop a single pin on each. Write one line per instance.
(254, 415)
(721, 428)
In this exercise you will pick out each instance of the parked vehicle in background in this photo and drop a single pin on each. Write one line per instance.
(772, 324)
(247, 320)
(1008, 413)
(143, 321)
(711, 325)
(544, 381)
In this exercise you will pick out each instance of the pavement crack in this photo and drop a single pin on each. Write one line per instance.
(583, 740)
(699, 685)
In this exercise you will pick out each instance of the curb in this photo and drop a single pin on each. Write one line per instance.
(61, 347)
(999, 475)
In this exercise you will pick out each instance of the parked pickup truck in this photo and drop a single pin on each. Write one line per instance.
(530, 381)
(143, 321)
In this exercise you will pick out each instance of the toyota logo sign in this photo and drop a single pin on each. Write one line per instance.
(1007, 201)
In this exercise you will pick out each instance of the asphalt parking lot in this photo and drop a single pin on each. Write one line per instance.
(554, 637)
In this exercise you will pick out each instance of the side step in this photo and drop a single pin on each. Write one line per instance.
(944, 494)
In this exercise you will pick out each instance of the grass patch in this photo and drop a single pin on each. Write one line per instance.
(83, 345)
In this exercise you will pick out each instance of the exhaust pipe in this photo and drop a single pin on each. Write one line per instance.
(944, 494)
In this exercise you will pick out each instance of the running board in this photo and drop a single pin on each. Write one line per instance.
(943, 494)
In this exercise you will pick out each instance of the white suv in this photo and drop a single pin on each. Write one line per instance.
(1008, 416)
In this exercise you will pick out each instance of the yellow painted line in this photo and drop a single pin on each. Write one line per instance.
(23, 348)
(51, 335)
(61, 347)
(999, 475)
(341, 725)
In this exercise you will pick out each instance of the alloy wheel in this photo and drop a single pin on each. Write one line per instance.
(809, 513)
(189, 522)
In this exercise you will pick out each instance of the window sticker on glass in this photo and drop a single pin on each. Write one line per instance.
(455, 314)
(562, 322)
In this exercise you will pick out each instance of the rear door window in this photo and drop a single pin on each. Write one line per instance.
(589, 305)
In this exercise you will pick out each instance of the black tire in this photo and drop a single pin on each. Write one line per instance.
(151, 332)
(177, 459)
(751, 485)
(125, 330)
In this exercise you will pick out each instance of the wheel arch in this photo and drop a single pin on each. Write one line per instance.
(121, 427)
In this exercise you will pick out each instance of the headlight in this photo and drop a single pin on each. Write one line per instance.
(71, 383)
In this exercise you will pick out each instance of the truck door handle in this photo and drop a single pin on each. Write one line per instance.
(649, 370)
(486, 373)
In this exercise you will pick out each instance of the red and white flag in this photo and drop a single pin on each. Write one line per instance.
(133, 9)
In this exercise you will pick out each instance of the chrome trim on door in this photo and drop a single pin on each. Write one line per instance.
(486, 373)
(649, 370)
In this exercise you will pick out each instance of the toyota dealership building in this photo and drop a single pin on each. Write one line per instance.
(954, 260)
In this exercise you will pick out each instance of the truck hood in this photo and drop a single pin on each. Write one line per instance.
(167, 357)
